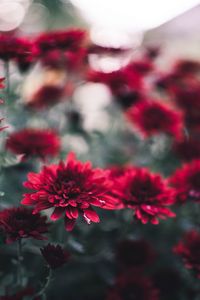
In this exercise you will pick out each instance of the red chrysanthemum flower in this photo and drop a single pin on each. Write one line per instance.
(187, 98)
(19, 222)
(71, 188)
(152, 117)
(186, 182)
(133, 287)
(30, 142)
(69, 60)
(147, 194)
(188, 249)
(55, 256)
(119, 82)
(188, 148)
(71, 39)
(17, 48)
(134, 253)
(187, 67)
(142, 67)
(45, 97)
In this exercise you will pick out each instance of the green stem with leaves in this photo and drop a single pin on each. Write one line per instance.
(19, 262)
(43, 289)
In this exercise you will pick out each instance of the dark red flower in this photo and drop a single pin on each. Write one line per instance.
(71, 188)
(188, 250)
(12, 47)
(19, 222)
(2, 85)
(147, 194)
(187, 67)
(186, 182)
(69, 60)
(188, 148)
(55, 256)
(142, 66)
(152, 117)
(71, 39)
(119, 82)
(45, 97)
(133, 287)
(30, 142)
(187, 98)
(134, 253)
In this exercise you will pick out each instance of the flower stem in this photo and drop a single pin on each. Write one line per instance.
(43, 289)
(19, 260)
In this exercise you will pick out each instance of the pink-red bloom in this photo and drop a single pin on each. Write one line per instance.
(152, 117)
(72, 189)
(19, 222)
(186, 182)
(188, 250)
(55, 256)
(119, 82)
(16, 48)
(32, 142)
(133, 287)
(71, 39)
(147, 194)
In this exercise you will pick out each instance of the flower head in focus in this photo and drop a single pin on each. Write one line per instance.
(71, 189)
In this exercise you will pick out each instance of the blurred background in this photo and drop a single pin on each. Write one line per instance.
(174, 24)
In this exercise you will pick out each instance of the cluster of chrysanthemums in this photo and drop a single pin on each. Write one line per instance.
(71, 189)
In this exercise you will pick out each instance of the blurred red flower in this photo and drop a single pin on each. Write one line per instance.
(188, 250)
(188, 148)
(71, 39)
(71, 188)
(45, 97)
(55, 256)
(119, 82)
(19, 222)
(152, 117)
(146, 193)
(186, 182)
(30, 142)
(132, 286)
(17, 48)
